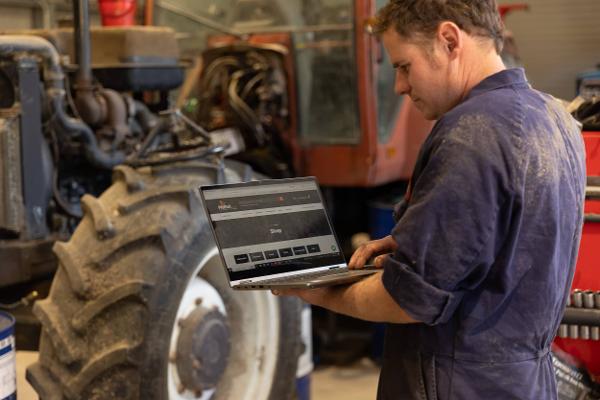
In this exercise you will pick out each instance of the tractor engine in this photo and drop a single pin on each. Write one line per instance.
(65, 126)
(245, 87)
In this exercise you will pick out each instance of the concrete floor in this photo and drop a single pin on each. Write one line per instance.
(24, 390)
(355, 382)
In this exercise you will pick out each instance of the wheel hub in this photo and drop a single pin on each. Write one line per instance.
(202, 348)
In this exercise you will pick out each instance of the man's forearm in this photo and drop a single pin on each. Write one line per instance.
(368, 300)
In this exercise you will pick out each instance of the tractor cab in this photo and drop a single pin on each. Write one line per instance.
(309, 86)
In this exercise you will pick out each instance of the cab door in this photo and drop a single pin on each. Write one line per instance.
(353, 129)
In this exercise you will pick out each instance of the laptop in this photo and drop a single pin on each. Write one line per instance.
(275, 234)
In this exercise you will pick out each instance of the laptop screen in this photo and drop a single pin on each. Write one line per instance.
(271, 227)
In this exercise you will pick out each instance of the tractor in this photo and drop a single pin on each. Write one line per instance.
(100, 191)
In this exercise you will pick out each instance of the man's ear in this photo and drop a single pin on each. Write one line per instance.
(450, 38)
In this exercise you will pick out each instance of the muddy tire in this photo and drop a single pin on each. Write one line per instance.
(140, 307)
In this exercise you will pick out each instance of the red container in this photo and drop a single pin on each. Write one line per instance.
(587, 274)
(117, 12)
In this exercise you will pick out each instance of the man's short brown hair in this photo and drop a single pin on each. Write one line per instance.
(414, 18)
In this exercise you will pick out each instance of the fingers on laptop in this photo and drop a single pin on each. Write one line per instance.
(371, 249)
(357, 260)
(363, 254)
(378, 262)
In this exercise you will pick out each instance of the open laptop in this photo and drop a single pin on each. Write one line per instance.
(275, 233)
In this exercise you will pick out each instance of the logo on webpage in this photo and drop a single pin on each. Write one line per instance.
(222, 206)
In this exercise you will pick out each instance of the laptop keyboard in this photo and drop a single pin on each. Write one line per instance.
(306, 277)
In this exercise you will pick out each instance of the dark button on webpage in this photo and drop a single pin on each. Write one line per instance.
(257, 256)
(313, 248)
(241, 258)
(285, 252)
(299, 250)
(271, 254)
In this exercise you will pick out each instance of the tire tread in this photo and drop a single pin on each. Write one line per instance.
(69, 346)
(69, 260)
(43, 382)
(116, 355)
(132, 289)
(132, 178)
(102, 222)
(140, 199)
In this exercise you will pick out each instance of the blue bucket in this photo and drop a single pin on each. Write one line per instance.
(8, 372)
(381, 220)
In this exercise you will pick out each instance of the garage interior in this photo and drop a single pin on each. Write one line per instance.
(114, 112)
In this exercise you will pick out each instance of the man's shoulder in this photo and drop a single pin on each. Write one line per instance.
(495, 106)
(475, 122)
(482, 127)
(493, 115)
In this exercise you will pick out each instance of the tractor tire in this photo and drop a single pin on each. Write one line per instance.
(140, 307)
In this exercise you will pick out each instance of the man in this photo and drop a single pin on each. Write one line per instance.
(484, 249)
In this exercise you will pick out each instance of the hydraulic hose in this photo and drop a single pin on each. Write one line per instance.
(13, 44)
(78, 129)
(144, 116)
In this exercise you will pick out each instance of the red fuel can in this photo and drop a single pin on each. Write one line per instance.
(117, 12)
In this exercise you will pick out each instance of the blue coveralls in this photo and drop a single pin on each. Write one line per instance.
(487, 243)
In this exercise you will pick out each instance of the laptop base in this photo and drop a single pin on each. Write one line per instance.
(311, 283)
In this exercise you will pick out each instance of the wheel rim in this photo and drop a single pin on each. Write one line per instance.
(253, 318)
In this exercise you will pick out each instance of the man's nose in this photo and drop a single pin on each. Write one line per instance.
(401, 86)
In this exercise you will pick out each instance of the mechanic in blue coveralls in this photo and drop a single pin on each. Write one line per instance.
(478, 267)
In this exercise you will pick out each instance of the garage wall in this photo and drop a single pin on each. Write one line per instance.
(38, 14)
(16, 16)
(557, 39)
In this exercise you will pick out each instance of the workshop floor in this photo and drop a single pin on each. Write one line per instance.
(355, 382)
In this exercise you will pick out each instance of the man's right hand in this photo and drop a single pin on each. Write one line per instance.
(371, 249)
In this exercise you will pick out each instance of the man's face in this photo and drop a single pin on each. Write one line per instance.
(424, 73)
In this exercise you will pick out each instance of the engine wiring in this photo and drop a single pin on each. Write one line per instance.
(245, 88)
(242, 86)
